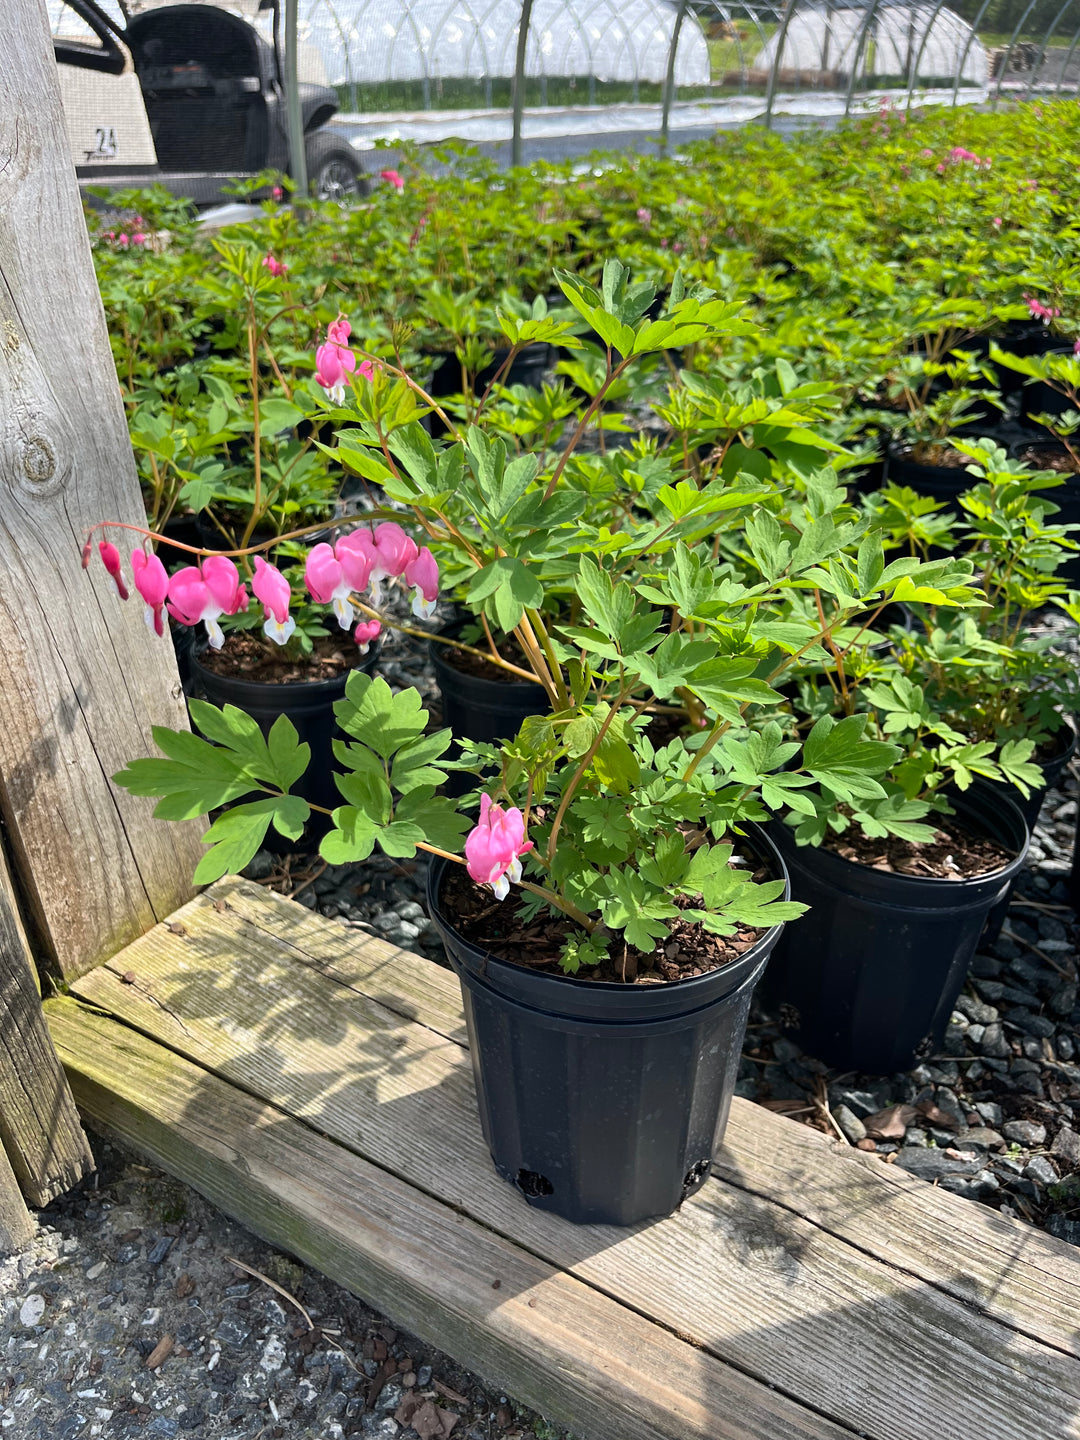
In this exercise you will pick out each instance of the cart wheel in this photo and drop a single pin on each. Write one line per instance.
(334, 173)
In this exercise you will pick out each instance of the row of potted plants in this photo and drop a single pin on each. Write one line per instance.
(747, 691)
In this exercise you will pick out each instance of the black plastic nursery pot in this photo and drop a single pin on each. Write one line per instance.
(941, 482)
(1038, 398)
(476, 707)
(1052, 767)
(872, 971)
(309, 704)
(528, 368)
(1022, 337)
(600, 1102)
(947, 483)
(1040, 453)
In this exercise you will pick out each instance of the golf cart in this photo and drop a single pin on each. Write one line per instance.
(191, 97)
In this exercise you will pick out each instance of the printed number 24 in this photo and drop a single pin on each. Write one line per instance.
(106, 145)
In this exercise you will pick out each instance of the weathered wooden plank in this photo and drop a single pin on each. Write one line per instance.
(83, 680)
(403, 982)
(1018, 1275)
(1006, 1268)
(743, 1277)
(39, 1125)
(575, 1355)
(16, 1226)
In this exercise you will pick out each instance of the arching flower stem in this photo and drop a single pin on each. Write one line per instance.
(495, 659)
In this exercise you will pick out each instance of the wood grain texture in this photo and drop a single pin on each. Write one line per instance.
(745, 1277)
(82, 678)
(16, 1226)
(39, 1125)
(575, 1355)
(1019, 1275)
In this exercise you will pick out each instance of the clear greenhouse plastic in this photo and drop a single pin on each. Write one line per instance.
(371, 41)
(686, 63)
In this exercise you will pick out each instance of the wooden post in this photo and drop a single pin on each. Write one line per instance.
(81, 679)
(16, 1227)
(39, 1125)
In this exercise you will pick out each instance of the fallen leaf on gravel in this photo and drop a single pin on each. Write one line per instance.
(175, 928)
(890, 1123)
(185, 1286)
(407, 1409)
(938, 1117)
(425, 1417)
(160, 1353)
(450, 1394)
(865, 1144)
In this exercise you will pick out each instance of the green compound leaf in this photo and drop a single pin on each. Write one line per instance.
(381, 720)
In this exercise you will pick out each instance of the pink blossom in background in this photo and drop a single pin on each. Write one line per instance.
(926, 154)
(277, 268)
(139, 238)
(277, 192)
(422, 573)
(122, 240)
(1039, 311)
(996, 222)
(1076, 347)
(392, 178)
(644, 216)
(271, 589)
(110, 558)
(325, 578)
(152, 583)
(494, 847)
(365, 633)
(366, 369)
(334, 361)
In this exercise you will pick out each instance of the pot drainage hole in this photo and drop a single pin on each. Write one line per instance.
(532, 1185)
(696, 1176)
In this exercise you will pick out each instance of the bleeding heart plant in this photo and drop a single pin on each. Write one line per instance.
(595, 809)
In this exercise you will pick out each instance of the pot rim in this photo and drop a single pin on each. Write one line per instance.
(902, 880)
(571, 983)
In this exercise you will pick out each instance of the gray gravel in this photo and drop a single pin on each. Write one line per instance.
(134, 1268)
(1006, 1077)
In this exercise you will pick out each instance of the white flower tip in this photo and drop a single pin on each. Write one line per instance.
(421, 608)
(279, 631)
(215, 633)
(514, 872)
(344, 612)
(501, 887)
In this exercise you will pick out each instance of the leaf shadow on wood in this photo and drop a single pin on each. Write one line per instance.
(813, 1278)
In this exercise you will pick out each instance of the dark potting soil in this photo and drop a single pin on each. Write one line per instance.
(952, 855)
(536, 944)
(246, 657)
(482, 669)
(1049, 457)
